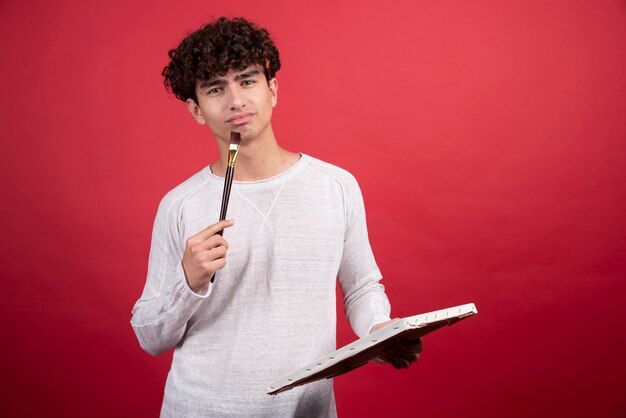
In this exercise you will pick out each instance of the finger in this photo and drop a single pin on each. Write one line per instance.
(209, 243)
(400, 360)
(211, 266)
(402, 354)
(390, 359)
(383, 359)
(379, 360)
(396, 362)
(216, 253)
(211, 230)
(412, 346)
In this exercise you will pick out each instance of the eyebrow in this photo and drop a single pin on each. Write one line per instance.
(221, 81)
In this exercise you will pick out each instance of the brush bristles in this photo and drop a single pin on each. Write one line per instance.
(233, 148)
(235, 139)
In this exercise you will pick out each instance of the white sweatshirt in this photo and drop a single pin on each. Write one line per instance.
(271, 310)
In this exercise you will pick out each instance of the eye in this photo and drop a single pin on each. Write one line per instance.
(214, 91)
(247, 82)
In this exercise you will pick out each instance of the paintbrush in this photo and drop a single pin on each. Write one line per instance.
(233, 150)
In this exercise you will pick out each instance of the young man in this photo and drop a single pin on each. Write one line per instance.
(298, 225)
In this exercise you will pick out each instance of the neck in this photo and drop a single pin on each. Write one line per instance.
(259, 158)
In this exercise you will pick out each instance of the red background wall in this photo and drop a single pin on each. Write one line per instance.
(488, 138)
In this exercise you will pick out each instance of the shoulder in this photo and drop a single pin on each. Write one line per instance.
(332, 172)
(176, 198)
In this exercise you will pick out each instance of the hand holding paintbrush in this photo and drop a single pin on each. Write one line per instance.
(205, 252)
(233, 150)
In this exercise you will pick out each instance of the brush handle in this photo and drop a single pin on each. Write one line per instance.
(228, 182)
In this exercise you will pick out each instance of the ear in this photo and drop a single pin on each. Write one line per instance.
(273, 84)
(195, 111)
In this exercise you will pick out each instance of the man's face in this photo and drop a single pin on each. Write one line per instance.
(240, 101)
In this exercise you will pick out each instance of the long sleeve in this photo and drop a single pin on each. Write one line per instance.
(160, 316)
(273, 307)
(365, 300)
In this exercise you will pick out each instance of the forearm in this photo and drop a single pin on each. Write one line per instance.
(160, 321)
(366, 305)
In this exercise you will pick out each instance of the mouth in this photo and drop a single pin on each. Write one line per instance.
(240, 119)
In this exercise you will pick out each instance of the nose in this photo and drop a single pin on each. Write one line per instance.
(236, 99)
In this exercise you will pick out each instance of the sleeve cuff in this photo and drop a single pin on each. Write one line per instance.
(202, 295)
(377, 320)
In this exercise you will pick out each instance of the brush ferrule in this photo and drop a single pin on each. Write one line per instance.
(232, 155)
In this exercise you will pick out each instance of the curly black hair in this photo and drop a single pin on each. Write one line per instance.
(215, 48)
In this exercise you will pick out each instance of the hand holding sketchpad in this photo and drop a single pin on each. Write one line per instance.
(367, 348)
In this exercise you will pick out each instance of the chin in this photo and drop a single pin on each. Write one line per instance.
(246, 134)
